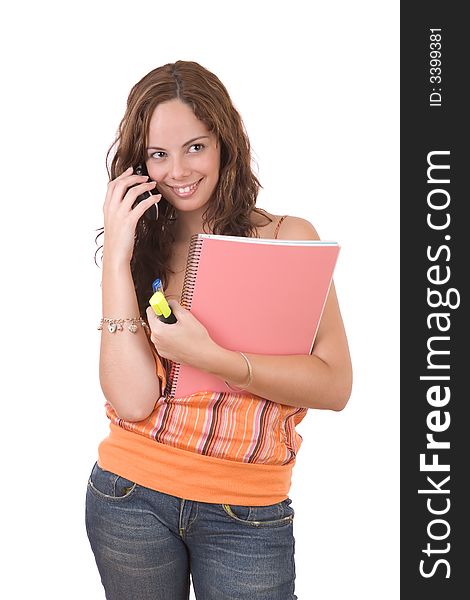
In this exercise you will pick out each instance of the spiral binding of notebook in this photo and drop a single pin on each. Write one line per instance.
(194, 253)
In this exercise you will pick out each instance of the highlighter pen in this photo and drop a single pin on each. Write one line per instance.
(160, 305)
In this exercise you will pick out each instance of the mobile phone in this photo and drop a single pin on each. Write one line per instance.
(152, 212)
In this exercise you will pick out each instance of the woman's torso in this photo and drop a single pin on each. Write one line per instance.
(234, 426)
(209, 432)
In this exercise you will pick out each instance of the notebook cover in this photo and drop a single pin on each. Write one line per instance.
(263, 296)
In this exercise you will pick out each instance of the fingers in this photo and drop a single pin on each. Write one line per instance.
(144, 205)
(118, 187)
(112, 184)
(174, 305)
(155, 329)
(130, 187)
(151, 316)
(132, 194)
(120, 219)
(153, 322)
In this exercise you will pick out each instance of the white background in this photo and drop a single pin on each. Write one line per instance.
(317, 86)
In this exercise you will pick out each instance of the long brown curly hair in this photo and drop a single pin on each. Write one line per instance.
(234, 198)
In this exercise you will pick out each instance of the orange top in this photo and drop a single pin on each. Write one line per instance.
(218, 447)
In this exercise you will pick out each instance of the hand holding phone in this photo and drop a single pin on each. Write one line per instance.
(152, 212)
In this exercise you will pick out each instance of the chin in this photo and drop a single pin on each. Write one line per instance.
(190, 208)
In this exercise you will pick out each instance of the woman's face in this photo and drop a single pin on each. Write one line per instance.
(182, 156)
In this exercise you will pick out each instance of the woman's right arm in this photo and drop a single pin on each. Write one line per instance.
(127, 367)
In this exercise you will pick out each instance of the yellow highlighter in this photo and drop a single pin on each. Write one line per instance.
(159, 303)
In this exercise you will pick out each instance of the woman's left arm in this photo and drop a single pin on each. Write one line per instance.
(320, 380)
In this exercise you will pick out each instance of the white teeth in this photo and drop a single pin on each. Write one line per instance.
(187, 189)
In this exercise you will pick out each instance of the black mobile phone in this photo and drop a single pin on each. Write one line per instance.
(152, 212)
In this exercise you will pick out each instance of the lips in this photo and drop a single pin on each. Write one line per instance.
(186, 191)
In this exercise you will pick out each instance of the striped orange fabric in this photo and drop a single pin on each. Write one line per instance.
(232, 426)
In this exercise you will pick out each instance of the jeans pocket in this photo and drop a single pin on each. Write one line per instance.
(273, 515)
(109, 485)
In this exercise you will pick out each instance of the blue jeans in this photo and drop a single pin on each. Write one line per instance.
(147, 543)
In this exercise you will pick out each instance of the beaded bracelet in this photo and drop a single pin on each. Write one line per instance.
(250, 376)
(118, 324)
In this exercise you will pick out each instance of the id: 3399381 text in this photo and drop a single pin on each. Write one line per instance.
(435, 67)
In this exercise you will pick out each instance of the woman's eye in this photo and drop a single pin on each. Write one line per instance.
(197, 148)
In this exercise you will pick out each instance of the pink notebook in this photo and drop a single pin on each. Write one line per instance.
(263, 296)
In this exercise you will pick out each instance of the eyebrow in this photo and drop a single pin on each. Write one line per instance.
(200, 137)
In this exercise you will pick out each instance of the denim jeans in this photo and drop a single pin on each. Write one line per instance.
(147, 544)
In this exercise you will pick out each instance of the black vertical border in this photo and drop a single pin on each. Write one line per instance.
(424, 129)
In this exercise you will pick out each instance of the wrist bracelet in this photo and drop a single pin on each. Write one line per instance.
(250, 376)
(118, 324)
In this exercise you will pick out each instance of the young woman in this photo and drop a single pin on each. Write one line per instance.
(196, 485)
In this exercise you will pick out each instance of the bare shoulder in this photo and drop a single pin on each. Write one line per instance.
(297, 228)
(286, 226)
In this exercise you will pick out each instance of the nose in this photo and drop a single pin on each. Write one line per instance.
(179, 169)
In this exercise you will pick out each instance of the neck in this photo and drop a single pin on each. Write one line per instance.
(187, 224)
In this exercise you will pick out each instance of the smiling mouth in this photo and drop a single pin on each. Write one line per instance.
(187, 190)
